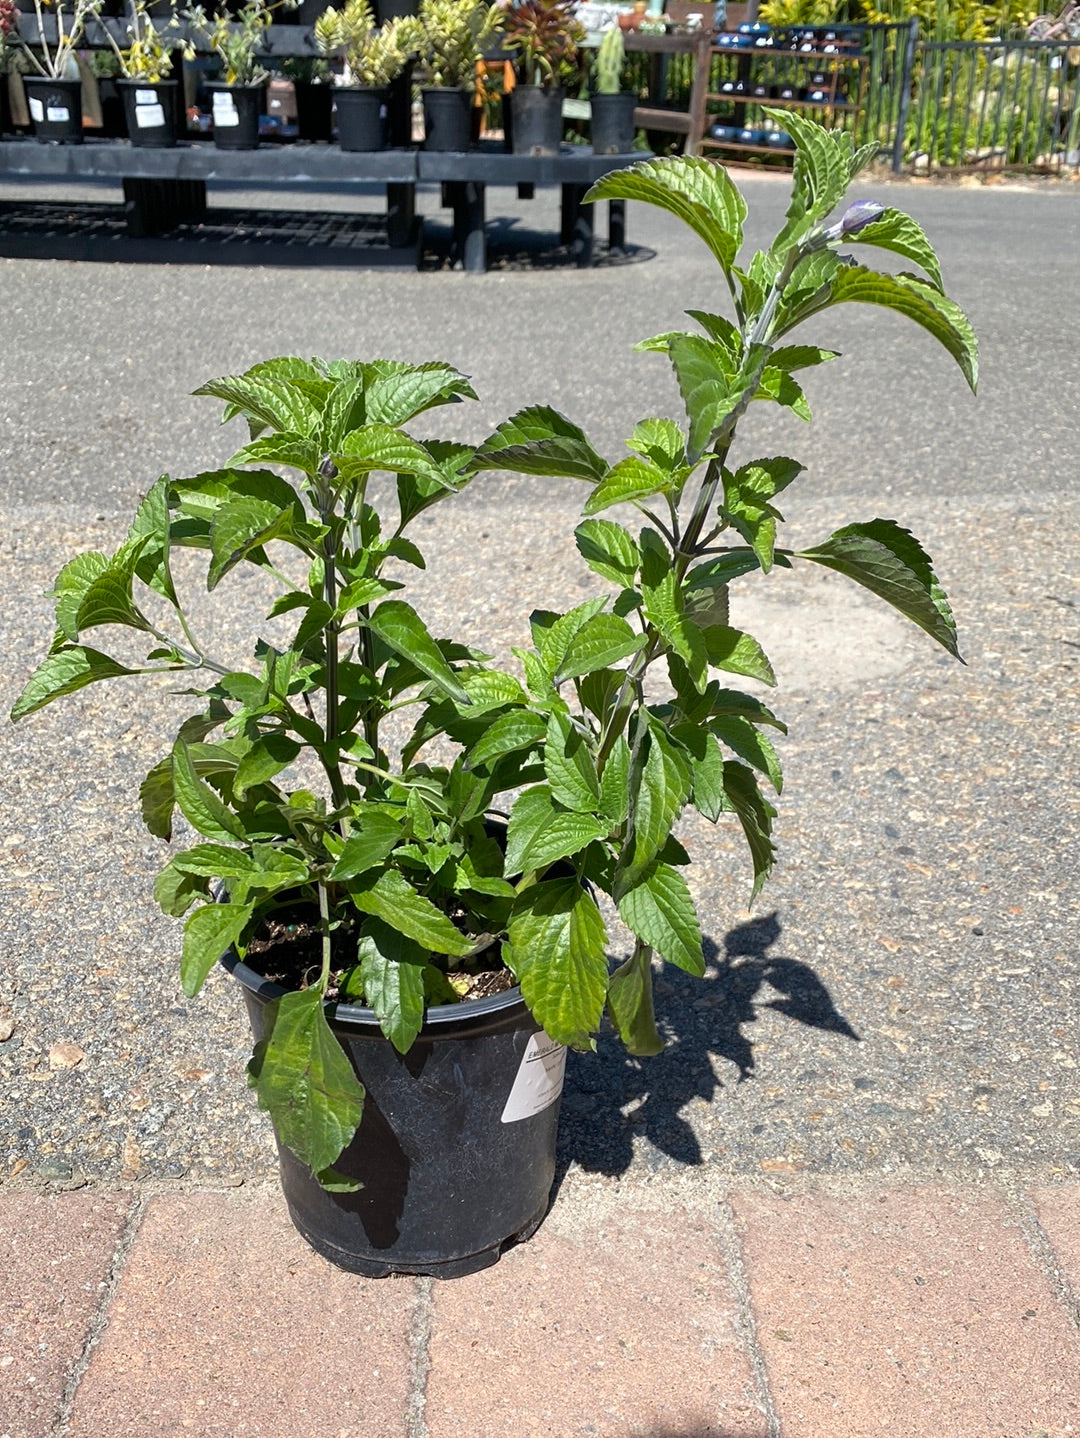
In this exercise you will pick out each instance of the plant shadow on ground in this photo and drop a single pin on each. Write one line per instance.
(701, 1019)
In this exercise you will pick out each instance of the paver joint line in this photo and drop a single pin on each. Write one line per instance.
(419, 1360)
(745, 1327)
(1045, 1255)
(124, 1244)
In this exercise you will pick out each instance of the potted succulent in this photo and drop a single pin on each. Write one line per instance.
(544, 36)
(153, 104)
(52, 83)
(239, 97)
(612, 107)
(456, 34)
(416, 921)
(314, 91)
(372, 57)
(9, 19)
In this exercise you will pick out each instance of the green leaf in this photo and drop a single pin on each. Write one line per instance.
(660, 440)
(777, 385)
(614, 781)
(602, 640)
(890, 562)
(631, 479)
(305, 1082)
(240, 529)
(399, 626)
(738, 652)
(919, 301)
(71, 667)
(708, 779)
(743, 739)
(107, 598)
(747, 495)
(381, 447)
(290, 449)
(661, 792)
(755, 814)
(820, 175)
(216, 861)
(608, 549)
(895, 231)
(202, 806)
(393, 899)
(269, 755)
(714, 394)
(630, 1004)
(541, 441)
(371, 839)
(273, 403)
(398, 397)
(176, 891)
(71, 585)
(796, 357)
(149, 534)
(557, 954)
(662, 601)
(700, 192)
(211, 930)
(552, 633)
(539, 833)
(521, 729)
(569, 766)
(392, 973)
(660, 911)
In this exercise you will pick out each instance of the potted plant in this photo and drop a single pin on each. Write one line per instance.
(612, 107)
(9, 19)
(239, 97)
(456, 34)
(52, 83)
(371, 56)
(314, 91)
(415, 943)
(544, 36)
(153, 105)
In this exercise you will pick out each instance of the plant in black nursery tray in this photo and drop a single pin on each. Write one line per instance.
(525, 802)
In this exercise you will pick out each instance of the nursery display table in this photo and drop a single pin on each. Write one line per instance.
(166, 187)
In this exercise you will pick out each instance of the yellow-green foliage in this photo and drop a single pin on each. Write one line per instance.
(938, 19)
(372, 56)
(456, 33)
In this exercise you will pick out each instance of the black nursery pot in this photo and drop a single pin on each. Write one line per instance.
(447, 121)
(537, 120)
(361, 118)
(314, 111)
(456, 1149)
(613, 123)
(150, 111)
(236, 111)
(55, 109)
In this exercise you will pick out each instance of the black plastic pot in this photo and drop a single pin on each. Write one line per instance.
(314, 111)
(537, 120)
(55, 109)
(447, 121)
(613, 123)
(361, 118)
(150, 111)
(456, 1150)
(392, 9)
(236, 111)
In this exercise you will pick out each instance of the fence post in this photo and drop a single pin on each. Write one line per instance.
(906, 73)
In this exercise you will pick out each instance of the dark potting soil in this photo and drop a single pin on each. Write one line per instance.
(287, 950)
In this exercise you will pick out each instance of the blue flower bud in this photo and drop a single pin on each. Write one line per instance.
(856, 217)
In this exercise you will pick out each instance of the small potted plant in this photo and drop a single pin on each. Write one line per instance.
(415, 918)
(239, 97)
(372, 57)
(9, 19)
(456, 34)
(544, 36)
(153, 105)
(313, 89)
(52, 83)
(612, 107)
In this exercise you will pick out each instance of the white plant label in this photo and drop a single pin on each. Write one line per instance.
(146, 97)
(37, 109)
(225, 111)
(539, 1080)
(149, 117)
(59, 113)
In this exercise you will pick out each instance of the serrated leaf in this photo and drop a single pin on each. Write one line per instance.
(796, 357)
(396, 398)
(889, 561)
(557, 954)
(919, 301)
(893, 230)
(714, 394)
(721, 329)
(777, 385)
(630, 1004)
(569, 766)
(700, 192)
(520, 729)
(819, 175)
(370, 841)
(200, 496)
(216, 861)
(491, 689)
(107, 599)
(393, 899)
(272, 402)
(269, 755)
(747, 496)
(202, 806)
(632, 478)
(382, 447)
(538, 833)
(747, 743)
(601, 641)
(608, 549)
(149, 533)
(71, 585)
(707, 780)
(660, 440)
(755, 814)
(738, 652)
(614, 792)
(392, 973)
(399, 626)
(289, 449)
(659, 910)
(732, 701)
(211, 930)
(553, 633)
(303, 1079)
(175, 891)
(539, 440)
(662, 601)
(239, 529)
(71, 667)
(663, 784)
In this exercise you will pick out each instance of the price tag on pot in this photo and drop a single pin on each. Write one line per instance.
(37, 109)
(539, 1079)
(146, 97)
(60, 113)
(149, 117)
(225, 111)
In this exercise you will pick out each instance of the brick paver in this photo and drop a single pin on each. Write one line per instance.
(623, 1326)
(907, 1312)
(225, 1323)
(55, 1256)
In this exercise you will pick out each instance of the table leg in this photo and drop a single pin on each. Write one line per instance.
(400, 215)
(617, 224)
(153, 207)
(581, 236)
(469, 242)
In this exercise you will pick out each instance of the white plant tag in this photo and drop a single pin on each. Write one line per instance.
(37, 109)
(149, 117)
(146, 97)
(225, 111)
(60, 113)
(539, 1080)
